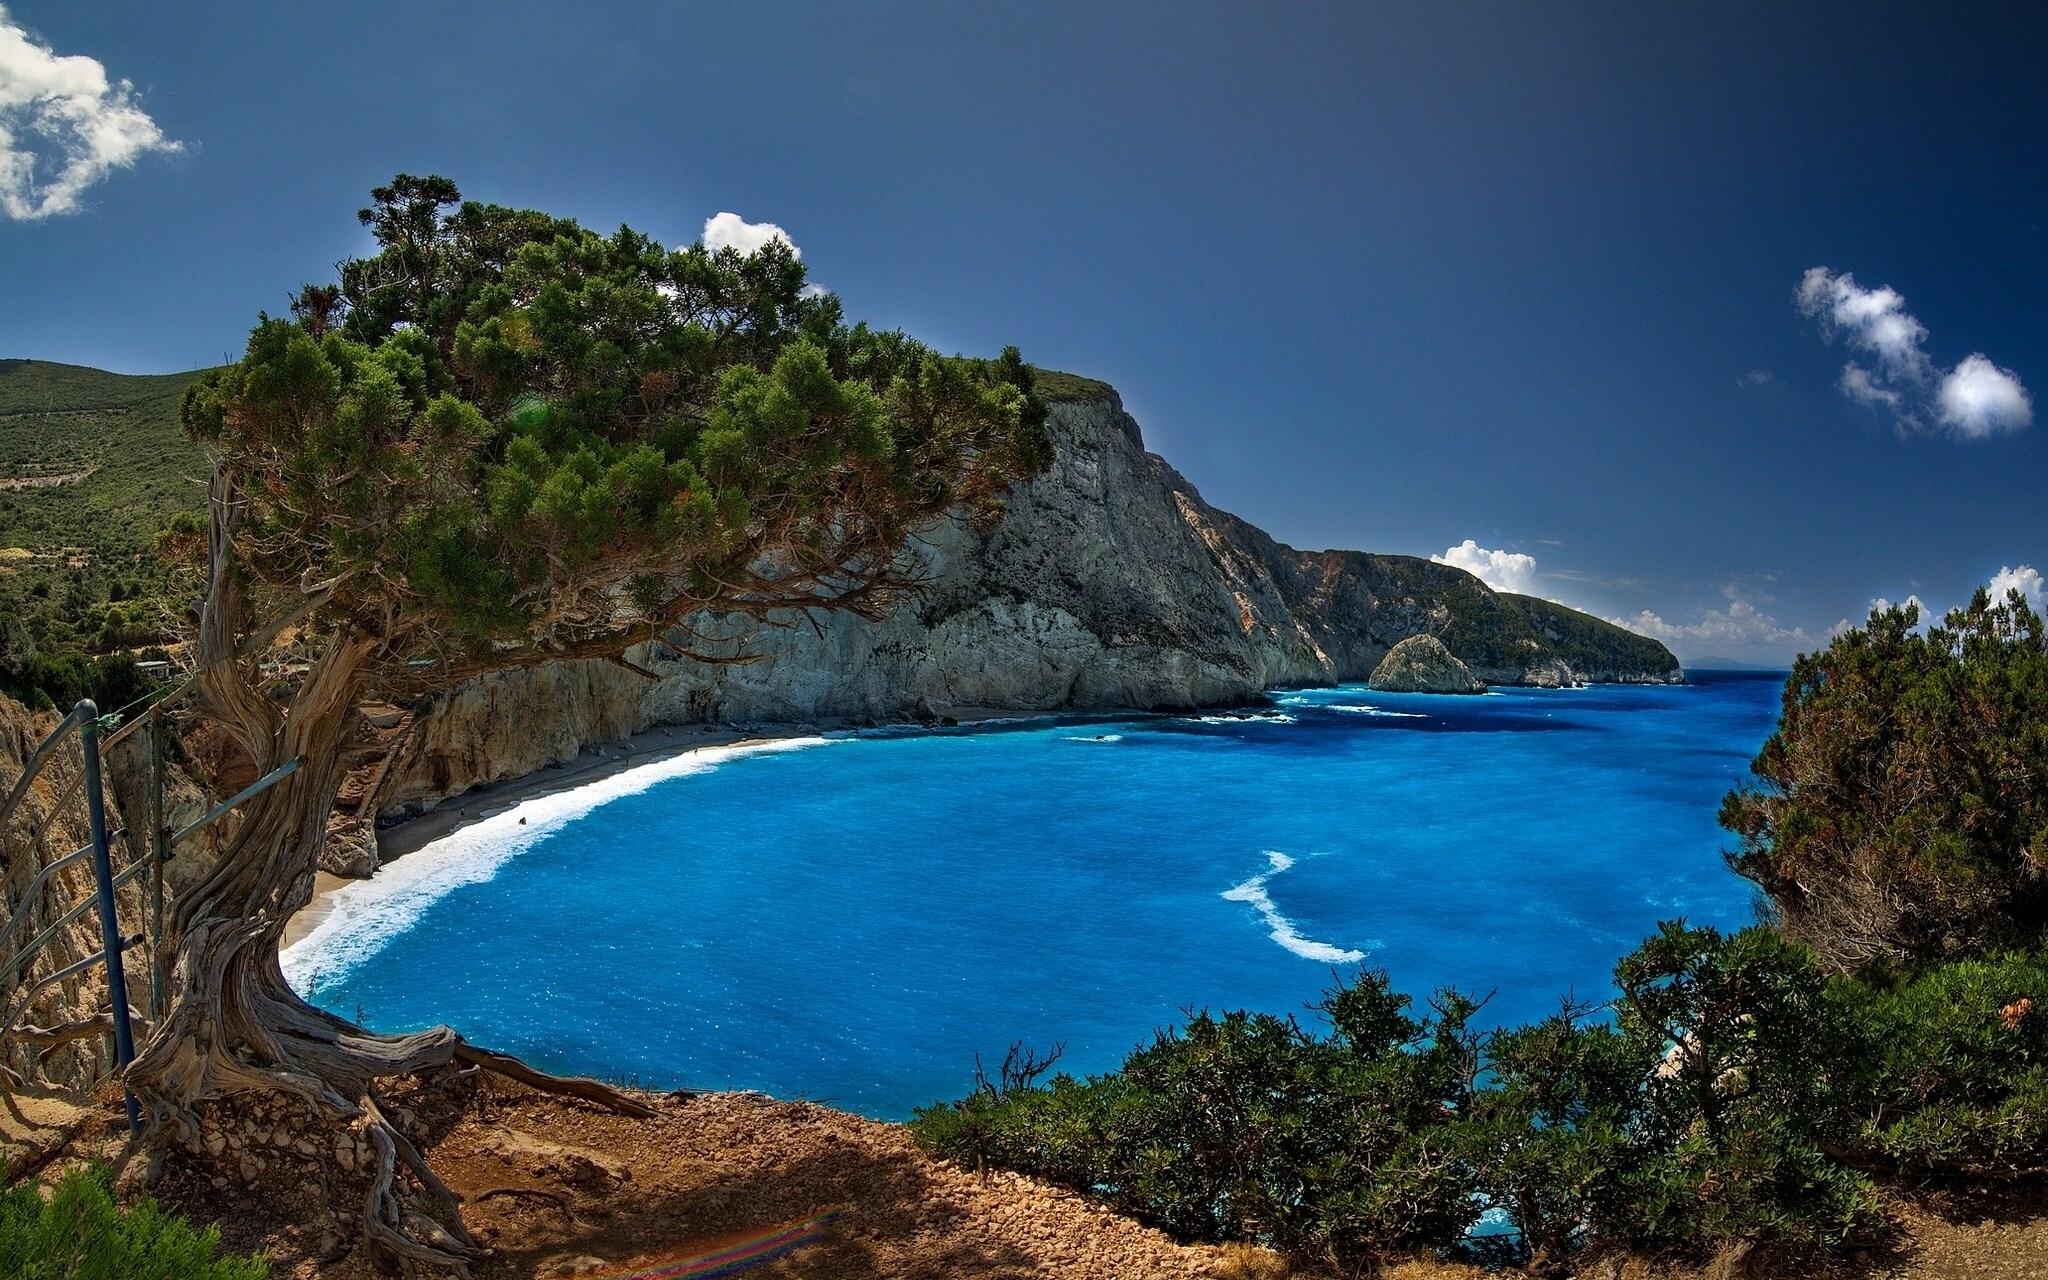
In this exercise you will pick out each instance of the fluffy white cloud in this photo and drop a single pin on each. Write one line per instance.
(1501, 570)
(63, 126)
(1971, 401)
(2026, 580)
(1927, 611)
(731, 231)
(1979, 399)
(1740, 625)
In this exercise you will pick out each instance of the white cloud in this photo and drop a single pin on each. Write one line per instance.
(2026, 580)
(1874, 320)
(63, 126)
(1973, 400)
(731, 231)
(1501, 570)
(1858, 385)
(1739, 626)
(1980, 399)
(1927, 612)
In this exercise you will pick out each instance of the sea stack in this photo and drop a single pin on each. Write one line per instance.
(1421, 664)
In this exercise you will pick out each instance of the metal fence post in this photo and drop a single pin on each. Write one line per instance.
(159, 854)
(103, 875)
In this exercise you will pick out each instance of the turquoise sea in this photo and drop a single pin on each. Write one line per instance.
(852, 918)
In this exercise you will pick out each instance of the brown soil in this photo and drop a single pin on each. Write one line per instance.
(559, 1189)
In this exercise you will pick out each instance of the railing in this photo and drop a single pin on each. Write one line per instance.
(41, 897)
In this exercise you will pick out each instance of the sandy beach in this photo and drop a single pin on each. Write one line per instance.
(593, 764)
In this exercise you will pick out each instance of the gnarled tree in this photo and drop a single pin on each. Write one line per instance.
(506, 440)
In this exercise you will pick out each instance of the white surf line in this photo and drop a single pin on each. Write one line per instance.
(365, 915)
(1280, 927)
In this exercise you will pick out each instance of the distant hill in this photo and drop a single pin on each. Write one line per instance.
(92, 465)
(1731, 664)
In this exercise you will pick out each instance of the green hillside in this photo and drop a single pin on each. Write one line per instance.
(92, 465)
(1590, 643)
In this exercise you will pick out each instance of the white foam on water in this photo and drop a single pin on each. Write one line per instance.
(365, 915)
(1279, 927)
(1095, 737)
(1260, 717)
(1361, 709)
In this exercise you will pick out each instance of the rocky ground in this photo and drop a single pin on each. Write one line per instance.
(558, 1189)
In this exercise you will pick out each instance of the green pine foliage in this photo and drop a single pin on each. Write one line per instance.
(78, 1232)
(1952, 1078)
(1900, 811)
(504, 429)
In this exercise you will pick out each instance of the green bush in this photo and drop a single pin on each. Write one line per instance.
(1337, 1148)
(79, 1233)
(1900, 812)
(1955, 1076)
(1702, 1114)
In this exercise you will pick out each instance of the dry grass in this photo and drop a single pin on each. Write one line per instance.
(1249, 1262)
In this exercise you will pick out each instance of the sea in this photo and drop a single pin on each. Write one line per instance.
(852, 918)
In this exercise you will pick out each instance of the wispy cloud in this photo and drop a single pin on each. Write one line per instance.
(1974, 400)
(63, 126)
(1739, 625)
(1502, 570)
(731, 231)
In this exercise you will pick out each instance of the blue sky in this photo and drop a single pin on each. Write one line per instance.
(1393, 277)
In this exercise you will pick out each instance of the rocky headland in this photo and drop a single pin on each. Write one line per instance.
(1108, 583)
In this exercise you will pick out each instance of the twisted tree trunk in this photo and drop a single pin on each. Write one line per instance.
(233, 1026)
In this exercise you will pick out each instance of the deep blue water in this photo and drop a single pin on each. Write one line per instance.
(852, 919)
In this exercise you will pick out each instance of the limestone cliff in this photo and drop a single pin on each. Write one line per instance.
(1108, 582)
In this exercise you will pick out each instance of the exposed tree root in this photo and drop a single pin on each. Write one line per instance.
(334, 1068)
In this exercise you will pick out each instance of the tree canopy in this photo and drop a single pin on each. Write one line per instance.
(1900, 811)
(506, 438)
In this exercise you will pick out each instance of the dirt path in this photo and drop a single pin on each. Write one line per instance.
(558, 1189)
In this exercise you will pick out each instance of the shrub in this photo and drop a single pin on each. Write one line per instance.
(1334, 1149)
(79, 1233)
(1737, 1114)
(1900, 812)
(1555, 1137)
(1955, 1076)
(1701, 1116)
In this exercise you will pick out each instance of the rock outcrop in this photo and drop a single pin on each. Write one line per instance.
(1108, 582)
(1421, 664)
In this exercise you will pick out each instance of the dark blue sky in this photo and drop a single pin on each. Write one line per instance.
(1380, 278)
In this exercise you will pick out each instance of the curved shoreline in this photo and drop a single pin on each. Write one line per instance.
(592, 765)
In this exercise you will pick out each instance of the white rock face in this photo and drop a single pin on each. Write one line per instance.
(1108, 582)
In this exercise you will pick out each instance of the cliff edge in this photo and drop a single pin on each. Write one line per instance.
(1108, 582)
